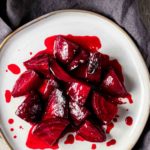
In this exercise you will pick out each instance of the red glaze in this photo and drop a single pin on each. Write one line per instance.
(34, 142)
(11, 129)
(79, 138)
(110, 126)
(129, 121)
(111, 142)
(91, 43)
(69, 139)
(7, 96)
(14, 68)
(10, 121)
(129, 97)
(93, 146)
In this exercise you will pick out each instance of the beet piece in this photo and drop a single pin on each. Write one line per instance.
(59, 73)
(112, 85)
(50, 130)
(40, 64)
(91, 133)
(78, 92)
(80, 58)
(27, 81)
(104, 110)
(64, 50)
(56, 106)
(78, 113)
(47, 87)
(31, 109)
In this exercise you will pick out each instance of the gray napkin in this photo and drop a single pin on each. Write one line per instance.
(124, 12)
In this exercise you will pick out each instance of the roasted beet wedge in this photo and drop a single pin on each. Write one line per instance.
(80, 58)
(31, 109)
(59, 73)
(64, 50)
(91, 133)
(28, 81)
(94, 67)
(50, 130)
(40, 64)
(112, 85)
(57, 106)
(104, 110)
(78, 113)
(47, 87)
(78, 92)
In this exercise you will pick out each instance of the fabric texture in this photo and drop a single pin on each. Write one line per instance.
(125, 13)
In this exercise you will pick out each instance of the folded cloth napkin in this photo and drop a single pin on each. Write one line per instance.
(124, 12)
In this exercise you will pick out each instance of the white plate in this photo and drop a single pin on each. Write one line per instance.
(115, 42)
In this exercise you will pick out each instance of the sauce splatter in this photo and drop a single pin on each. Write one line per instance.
(7, 96)
(115, 119)
(6, 70)
(15, 136)
(14, 68)
(111, 142)
(34, 142)
(10, 121)
(93, 146)
(20, 127)
(11, 129)
(30, 53)
(129, 121)
(69, 139)
(110, 126)
(78, 138)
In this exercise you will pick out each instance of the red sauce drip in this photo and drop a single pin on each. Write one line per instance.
(6, 70)
(129, 97)
(111, 142)
(129, 120)
(34, 142)
(11, 129)
(14, 136)
(10, 121)
(115, 119)
(30, 53)
(7, 96)
(14, 68)
(70, 139)
(93, 146)
(20, 127)
(110, 126)
(78, 138)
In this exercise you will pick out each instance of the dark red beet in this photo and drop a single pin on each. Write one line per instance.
(80, 58)
(31, 109)
(78, 113)
(91, 133)
(40, 64)
(47, 87)
(112, 85)
(28, 81)
(59, 73)
(78, 92)
(64, 50)
(50, 130)
(104, 110)
(94, 68)
(56, 106)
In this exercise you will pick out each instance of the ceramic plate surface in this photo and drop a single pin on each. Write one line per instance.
(115, 42)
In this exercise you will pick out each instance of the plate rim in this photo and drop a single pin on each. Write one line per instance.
(124, 33)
